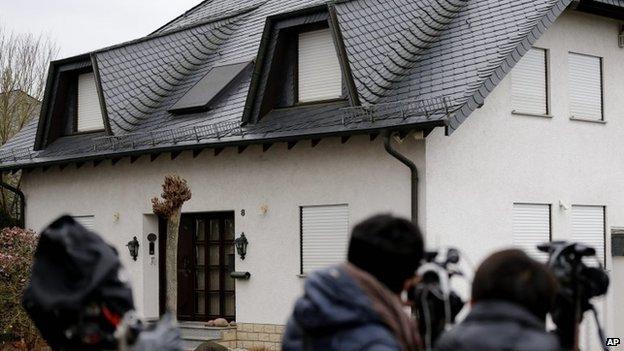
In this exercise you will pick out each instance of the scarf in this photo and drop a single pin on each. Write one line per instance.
(388, 306)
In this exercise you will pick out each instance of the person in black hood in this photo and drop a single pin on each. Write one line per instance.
(511, 295)
(357, 305)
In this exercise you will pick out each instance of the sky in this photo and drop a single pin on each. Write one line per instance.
(80, 26)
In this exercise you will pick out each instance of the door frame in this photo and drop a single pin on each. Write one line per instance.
(162, 238)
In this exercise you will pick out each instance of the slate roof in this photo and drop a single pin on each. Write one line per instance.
(414, 64)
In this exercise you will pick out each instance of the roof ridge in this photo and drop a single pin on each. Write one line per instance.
(210, 20)
(200, 4)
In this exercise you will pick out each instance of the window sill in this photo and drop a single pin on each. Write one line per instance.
(528, 114)
(319, 102)
(599, 121)
(84, 132)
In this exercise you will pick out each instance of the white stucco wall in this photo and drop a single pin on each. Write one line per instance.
(359, 173)
(495, 158)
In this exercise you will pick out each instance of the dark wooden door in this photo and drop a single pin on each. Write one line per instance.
(186, 268)
(205, 250)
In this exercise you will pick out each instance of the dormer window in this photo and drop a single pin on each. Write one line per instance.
(89, 116)
(319, 74)
(299, 65)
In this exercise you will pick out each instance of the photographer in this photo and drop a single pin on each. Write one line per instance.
(511, 295)
(357, 305)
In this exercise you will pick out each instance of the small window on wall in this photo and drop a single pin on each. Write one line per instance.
(531, 227)
(319, 73)
(529, 84)
(588, 227)
(585, 84)
(89, 117)
(86, 221)
(324, 236)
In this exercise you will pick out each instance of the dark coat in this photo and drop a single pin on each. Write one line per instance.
(496, 326)
(334, 314)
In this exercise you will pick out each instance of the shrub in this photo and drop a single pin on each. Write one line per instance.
(6, 220)
(17, 247)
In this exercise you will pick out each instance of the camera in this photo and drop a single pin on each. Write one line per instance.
(435, 303)
(579, 280)
(567, 262)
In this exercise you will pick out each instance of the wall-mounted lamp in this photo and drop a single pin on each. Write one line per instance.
(133, 247)
(241, 245)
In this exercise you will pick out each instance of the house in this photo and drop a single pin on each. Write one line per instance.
(490, 123)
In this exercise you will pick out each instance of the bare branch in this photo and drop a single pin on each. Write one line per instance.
(24, 61)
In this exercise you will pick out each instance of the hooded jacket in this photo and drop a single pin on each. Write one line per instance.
(496, 326)
(334, 314)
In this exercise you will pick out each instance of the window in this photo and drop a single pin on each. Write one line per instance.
(324, 236)
(585, 81)
(531, 227)
(319, 74)
(529, 84)
(86, 221)
(588, 227)
(210, 88)
(89, 112)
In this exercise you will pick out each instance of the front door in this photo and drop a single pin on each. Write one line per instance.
(205, 255)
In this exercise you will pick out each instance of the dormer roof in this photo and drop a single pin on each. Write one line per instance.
(412, 65)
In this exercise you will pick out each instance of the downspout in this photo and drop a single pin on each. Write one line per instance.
(414, 173)
(20, 194)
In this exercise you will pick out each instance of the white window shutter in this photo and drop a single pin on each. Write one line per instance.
(588, 227)
(585, 81)
(89, 112)
(324, 236)
(529, 86)
(86, 221)
(531, 227)
(319, 75)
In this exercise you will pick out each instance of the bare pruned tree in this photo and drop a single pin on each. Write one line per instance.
(24, 62)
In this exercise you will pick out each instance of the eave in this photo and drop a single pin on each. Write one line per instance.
(219, 145)
(599, 8)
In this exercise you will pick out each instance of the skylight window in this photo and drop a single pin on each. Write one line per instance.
(209, 88)
(89, 112)
(319, 74)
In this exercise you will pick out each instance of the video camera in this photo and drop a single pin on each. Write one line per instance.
(79, 300)
(435, 303)
(578, 284)
(579, 274)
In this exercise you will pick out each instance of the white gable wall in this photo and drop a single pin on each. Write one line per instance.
(496, 159)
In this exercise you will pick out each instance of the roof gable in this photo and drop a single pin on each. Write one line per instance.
(475, 52)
